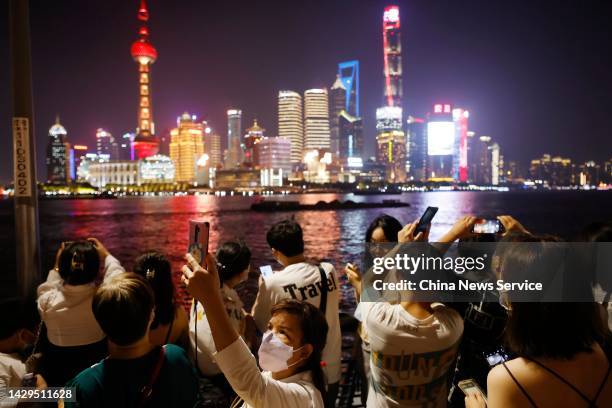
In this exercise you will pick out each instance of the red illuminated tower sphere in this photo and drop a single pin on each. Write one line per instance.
(143, 52)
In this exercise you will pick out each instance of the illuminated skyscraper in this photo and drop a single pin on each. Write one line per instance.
(78, 154)
(290, 122)
(186, 147)
(460, 154)
(484, 164)
(416, 149)
(212, 146)
(390, 138)
(234, 135)
(348, 73)
(441, 134)
(106, 144)
(391, 143)
(253, 136)
(273, 153)
(143, 52)
(351, 139)
(392, 52)
(58, 155)
(316, 119)
(337, 104)
(126, 148)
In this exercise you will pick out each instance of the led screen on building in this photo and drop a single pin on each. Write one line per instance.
(440, 138)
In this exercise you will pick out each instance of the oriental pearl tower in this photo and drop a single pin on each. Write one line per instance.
(145, 143)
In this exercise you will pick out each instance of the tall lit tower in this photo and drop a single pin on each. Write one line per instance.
(337, 103)
(392, 52)
(58, 158)
(234, 134)
(316, 119)
(290, 122)
(143, 52)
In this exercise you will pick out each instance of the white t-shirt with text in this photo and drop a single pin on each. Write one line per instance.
(411, 359)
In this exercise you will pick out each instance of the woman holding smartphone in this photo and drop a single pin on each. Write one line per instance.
(290, 353)
(233, 265)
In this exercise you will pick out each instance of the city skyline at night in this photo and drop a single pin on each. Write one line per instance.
(529, 104)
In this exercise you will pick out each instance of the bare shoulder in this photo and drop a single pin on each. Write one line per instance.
(500, 380)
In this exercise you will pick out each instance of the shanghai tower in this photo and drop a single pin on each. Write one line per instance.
(392, 51)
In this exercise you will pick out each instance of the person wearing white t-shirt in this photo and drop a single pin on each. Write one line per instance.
(290, 353)
(76, 340)
(302, 281)
(233, 263)
(414, 345)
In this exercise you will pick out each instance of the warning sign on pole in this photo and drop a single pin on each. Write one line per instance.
(21, 157)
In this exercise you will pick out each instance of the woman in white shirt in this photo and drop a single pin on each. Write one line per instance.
(290, 354)
(75, 340)
(233, 265)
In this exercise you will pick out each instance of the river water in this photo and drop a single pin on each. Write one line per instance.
(129, 226)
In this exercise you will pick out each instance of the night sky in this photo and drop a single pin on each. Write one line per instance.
(536, 76)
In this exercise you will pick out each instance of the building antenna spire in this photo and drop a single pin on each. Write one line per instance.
(143, 12)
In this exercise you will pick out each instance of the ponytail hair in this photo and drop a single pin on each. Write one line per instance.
(314, 329)
(157, 271)
(79, 263)
(232, 259)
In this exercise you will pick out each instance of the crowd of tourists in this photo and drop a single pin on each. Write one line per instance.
(124, 339)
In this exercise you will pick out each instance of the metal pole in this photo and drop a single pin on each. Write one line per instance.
(24, 151)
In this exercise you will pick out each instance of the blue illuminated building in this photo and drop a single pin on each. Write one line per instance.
(348, 72)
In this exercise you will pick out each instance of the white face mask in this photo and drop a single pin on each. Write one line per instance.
(273, 353)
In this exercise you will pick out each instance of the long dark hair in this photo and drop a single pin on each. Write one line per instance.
(390, 226)
(534, 328)
(314, 329)
(232, 259)
(156, 269)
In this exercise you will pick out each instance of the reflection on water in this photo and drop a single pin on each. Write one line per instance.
(132, 225)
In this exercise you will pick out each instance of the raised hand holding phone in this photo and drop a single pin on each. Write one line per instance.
(425, 221)
(200, 280)
(199, 232)
(410, 234)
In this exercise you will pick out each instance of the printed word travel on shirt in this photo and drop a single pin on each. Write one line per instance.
(310, 291)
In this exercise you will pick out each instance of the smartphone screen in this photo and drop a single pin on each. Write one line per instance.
(496, 357)
(426, 219)
(198, 239)
(266, 271)
(487, 227)
(471, 387)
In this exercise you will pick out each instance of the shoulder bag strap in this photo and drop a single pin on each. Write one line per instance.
(323, 304)
(147, 390)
